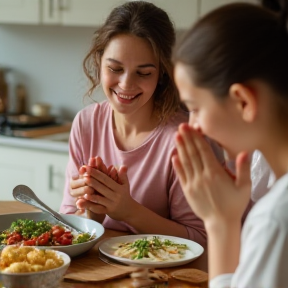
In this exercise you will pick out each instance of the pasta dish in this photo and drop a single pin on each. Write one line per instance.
(152, 248)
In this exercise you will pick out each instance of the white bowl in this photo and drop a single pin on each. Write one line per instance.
(41, 109)
(83, 224)
(43, 279)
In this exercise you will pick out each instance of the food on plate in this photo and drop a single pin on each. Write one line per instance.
(194, 276)
(151, 248)
(23, 259)
(41, 233)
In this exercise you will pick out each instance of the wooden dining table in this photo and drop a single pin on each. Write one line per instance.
(122, 282)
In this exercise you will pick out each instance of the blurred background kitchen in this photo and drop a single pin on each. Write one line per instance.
(42, 45)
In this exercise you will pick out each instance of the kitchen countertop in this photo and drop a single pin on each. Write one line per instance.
(50, 143)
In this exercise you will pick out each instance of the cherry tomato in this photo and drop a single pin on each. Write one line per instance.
(31, 242)
(14, 238)
(43, 239)
(65, 239)
(68, 235)
(57, 231)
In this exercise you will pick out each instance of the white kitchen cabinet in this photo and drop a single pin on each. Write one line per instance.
(43, 171)
(77, 12)
(20, 11)
(208, 5)
(86, 12)
(94, 12)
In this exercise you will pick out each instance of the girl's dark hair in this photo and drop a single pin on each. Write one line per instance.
(145, 20)
(236, 43)
(273, 5)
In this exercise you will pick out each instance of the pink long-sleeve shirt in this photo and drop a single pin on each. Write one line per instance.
(153, 181)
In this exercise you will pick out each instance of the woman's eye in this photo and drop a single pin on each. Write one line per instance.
(115, 70)
(144, 74)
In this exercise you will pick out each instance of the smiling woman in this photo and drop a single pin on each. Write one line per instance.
(126, 142)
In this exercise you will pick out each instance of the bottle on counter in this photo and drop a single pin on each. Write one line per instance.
(21, 99)
(3, 93)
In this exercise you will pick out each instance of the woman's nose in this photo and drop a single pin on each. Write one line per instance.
(127, 81)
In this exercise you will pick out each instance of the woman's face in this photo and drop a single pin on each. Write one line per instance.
(218, 119)
(129, 73)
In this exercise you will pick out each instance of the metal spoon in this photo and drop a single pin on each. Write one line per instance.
(25, 195)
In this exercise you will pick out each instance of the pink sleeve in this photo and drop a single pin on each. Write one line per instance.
(68, 205)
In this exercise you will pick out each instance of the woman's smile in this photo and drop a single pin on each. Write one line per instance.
(126, 97)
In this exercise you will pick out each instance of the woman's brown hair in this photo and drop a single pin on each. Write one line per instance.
(145, 20)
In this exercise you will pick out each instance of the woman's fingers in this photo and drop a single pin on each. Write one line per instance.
(101, 183)
(122, 175)
(79, 192)
(100, 165)
(113, 173)
(83, 204)
(78, 188)
(98, 199)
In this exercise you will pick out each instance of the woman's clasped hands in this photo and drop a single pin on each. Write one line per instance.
(211, 192)
(102, 190)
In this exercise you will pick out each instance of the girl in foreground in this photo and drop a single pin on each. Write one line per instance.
(131, 58)
(231, 69)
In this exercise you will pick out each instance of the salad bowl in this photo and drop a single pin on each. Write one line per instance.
(82, 224)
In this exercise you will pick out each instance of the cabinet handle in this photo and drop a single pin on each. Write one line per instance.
(62, 6)
(50, 178)
(52, 174)
(51, 8)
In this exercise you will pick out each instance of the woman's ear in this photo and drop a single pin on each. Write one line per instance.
(245, 100)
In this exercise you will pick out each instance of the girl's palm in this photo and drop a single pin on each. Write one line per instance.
(210, 191)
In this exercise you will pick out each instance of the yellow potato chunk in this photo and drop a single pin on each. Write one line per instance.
(21, 259)
(18, 267)
(36, 257)
(50, 264)
(37, 268)
(11, 254)
(25, 249)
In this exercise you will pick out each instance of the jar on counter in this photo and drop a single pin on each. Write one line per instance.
(21, 99)
(3, 93)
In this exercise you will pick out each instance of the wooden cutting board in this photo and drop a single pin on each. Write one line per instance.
(42, 131)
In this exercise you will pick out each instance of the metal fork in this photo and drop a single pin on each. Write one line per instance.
(25, 195)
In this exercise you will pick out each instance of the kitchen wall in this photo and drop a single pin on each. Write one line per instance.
(48, 60)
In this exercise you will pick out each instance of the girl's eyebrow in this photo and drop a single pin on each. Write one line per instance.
(139, 66)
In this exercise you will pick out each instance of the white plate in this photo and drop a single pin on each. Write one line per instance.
(109, 246)
(83, 224)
